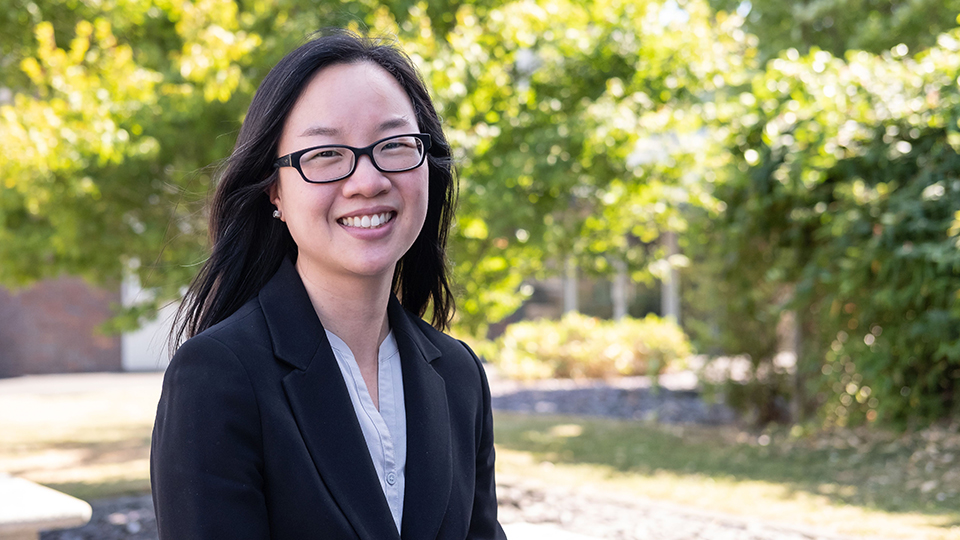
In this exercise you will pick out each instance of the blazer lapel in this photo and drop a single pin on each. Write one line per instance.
(429, 462)
(321, 406)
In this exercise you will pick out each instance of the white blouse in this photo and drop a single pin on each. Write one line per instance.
(385, 431)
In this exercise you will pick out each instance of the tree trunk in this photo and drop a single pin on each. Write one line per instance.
(570, 286)
(618, 290)
(670, 291)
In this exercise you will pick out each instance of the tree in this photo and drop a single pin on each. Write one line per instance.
(547, 101)
(118, 116)
(544, 100)
(837, 26)
(842, 189)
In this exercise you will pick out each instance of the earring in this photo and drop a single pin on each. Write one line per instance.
(276, 213)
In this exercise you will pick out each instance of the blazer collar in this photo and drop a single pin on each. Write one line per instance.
(323, 411)
(403, 323)
(429, 469)
(321, 406)
(296, 330)
(291, 320)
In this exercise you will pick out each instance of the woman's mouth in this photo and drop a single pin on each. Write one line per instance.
(371, 221)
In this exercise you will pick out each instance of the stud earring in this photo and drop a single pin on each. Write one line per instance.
(276, 213)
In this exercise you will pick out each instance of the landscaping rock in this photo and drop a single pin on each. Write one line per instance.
(675, 399)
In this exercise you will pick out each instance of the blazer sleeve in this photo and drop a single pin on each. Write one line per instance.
(483, 522)
(206, 453)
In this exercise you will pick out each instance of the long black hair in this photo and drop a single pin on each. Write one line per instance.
(249, 244)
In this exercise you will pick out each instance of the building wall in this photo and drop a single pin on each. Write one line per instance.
(51, 327)
(145, 349)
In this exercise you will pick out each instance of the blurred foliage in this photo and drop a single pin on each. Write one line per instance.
(544, 101)
(822, 182)
(840, 205)
(117, 117)
(837, 26)
(578, 347)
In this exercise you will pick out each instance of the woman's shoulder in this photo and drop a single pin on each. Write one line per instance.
(240, 333)
(455, 360)
(445, 343)
(225, 362)
(242, 323)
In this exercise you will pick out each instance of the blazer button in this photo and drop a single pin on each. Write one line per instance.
(391, 478)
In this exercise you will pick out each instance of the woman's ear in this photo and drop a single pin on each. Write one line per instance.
(274, 193)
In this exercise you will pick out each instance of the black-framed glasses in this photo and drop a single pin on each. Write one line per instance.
(334, 162)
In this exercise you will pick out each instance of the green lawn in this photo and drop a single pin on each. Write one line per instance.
(868, 483)
(95, 445)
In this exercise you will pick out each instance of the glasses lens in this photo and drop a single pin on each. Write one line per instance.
(326, 163)
(399, 153)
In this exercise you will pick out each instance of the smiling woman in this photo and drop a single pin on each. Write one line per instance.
(311, 400)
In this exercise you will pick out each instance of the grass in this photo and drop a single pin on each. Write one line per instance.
(96, 444)
(856, 483)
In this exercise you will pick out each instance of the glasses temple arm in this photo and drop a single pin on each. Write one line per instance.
(285, 161)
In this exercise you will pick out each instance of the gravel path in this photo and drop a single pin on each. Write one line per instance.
(594, 515)
(531, 511)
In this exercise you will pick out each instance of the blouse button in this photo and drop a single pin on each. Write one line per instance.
(391, 478)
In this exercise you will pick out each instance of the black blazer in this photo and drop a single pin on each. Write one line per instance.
(256, 436)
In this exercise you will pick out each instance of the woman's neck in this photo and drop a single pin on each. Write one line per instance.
(355, 309)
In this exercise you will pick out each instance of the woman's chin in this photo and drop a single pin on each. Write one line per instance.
(349, 266)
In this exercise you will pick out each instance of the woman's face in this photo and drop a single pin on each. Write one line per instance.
(335, 225)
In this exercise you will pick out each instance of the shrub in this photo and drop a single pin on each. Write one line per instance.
(578, 346)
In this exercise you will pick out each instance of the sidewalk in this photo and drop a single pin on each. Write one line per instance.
(79, 383)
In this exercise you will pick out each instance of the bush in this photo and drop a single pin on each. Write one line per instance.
(844, 214)
(578, 346)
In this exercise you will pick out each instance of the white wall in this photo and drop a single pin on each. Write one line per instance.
(145, 349)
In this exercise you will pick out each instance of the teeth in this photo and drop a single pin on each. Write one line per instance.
(367, 222)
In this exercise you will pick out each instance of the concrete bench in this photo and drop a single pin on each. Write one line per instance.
(27, 508)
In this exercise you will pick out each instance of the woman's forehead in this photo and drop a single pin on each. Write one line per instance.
(345, 98)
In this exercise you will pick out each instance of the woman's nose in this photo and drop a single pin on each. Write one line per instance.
(366, 180)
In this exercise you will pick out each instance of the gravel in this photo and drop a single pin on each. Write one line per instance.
(595, 515)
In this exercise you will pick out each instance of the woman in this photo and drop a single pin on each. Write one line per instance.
(311, 400)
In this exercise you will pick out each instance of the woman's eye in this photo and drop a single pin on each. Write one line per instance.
(323, 154)
(398, 144)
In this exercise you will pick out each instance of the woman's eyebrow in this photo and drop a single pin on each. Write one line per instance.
(323, 131)
(314, 131)
(393, 123)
